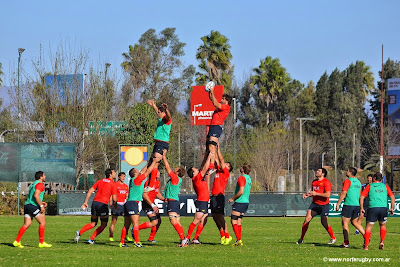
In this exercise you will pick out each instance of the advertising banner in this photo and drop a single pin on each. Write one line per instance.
(201, 107)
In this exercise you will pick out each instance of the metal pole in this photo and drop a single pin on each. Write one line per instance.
(20, 51)
(288, 161)
(301, 158)
(105, 117)
(308, 154)
(335, 168)
(381, 130)
(234, 133)
(323, 157)
(179, 146)
(354, 148)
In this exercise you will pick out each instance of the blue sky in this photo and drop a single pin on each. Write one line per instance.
(309, 37)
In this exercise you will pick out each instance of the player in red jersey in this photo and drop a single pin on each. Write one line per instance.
(320, 191)
(203, 196)
(214, 130)
(217, 201)
(34, 208)
(105, 189)
(122, 195)
(151, 208)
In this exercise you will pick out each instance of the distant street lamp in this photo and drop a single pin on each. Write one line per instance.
(302, 120)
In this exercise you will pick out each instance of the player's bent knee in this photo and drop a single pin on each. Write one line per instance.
(153, 218)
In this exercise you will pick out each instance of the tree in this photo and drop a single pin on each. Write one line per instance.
(214, 58)
(1, 74)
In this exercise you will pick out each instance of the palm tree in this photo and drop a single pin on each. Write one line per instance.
(269, 80)
(214, 56)
(1, 73)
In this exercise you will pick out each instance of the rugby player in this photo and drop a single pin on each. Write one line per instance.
(105, 189)
(131, 208)
(171, 194)
(241, 199)
(366, 201)
(34, 208)
(320, 191)
(122, 195)
(203, 196)
(377, 193)
(217, 201)
(351, 192)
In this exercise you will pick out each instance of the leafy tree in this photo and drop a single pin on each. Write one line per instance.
(1, 74)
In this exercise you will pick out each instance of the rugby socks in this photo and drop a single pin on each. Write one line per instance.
(240, 231)
(41, 234)
(198, 231)
(346, 242)
(97, 232)
(226, 235)
(123, 235)
(144, 225)
(330, 231)
(86, 227)
(383, 233)
(153, 233)
(190, 231)
(21, 232)
(153, 177)
(179, 229)
(136, 233)
(304, 229)
(222, 233)
(236, 230)
(367, 236)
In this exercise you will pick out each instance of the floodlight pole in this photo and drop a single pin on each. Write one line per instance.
(302, 120)
(381, 130)
(20, 51)
(234, 134)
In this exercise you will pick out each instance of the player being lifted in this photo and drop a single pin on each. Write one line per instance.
(241, 199)
(105, 189)
(161, 138)
(203, 196)
(217, 201)
(131, 212)
(377, 193)
(171, 194)
(214, 130)
(122, 194)
(34, 208)
(351, 192)
(320, 191)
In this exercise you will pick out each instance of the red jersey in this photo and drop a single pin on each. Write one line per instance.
(321, 186)
(220, 181)
(201, 188)
(219, 115)
(105, 188)
(153, 193)
(122, 191)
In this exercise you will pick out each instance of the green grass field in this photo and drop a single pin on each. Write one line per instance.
(267, 242)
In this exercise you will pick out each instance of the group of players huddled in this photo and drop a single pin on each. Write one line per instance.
(144, 187)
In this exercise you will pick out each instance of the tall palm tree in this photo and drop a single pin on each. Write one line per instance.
(215, 58)
(1, 73)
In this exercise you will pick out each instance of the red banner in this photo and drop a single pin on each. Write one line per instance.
(201, 107)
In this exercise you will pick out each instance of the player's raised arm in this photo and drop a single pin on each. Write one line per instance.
(150, 168)
(166, 163)
(167, 113)
(151, 103)
(214, 99)
(220, 157)
(207, 164)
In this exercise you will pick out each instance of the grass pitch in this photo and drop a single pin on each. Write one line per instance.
(267, 242)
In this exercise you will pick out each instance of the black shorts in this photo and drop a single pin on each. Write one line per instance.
(159, 146)
(217, 204)
(31, 210)
(377, 214)
(99, 209)
(201, 206)
(131, 208)
(214, 131)
(240, 207)
(174, 206)
(322, 210)
(350, 211)
(147, 208)
(119, 211)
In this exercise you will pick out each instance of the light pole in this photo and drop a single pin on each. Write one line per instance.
(20, 51)
(302, 120)
(194, 132)
(234, 134)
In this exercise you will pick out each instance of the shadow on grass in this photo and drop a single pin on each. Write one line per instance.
(10, 245)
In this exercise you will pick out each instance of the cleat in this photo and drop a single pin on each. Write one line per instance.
(128, 238)
(91, 242)
(196, 242)
(365, 247)
(138, 245)
(183, 243)
(381, 245)
(44, 245)
(122, 245)
(344, 245)
(151, 241)
(77, 236)
(238, 243)
(111, 239)
(357, 232)
(223, 240)
(332, 241)
(300, 241)
(228, 240)
(18, 244)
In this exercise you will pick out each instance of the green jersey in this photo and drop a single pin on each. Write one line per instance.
(172, 191)
(353, 187)
(136, 191)
(31, 195)
(245, 181)
(163, 130)
(378, 193)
